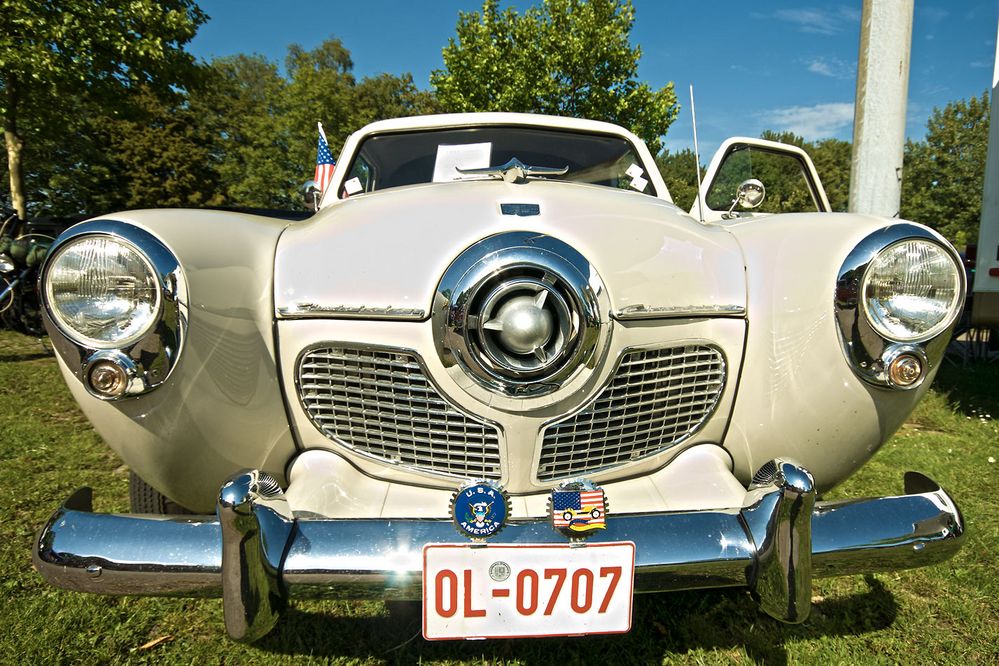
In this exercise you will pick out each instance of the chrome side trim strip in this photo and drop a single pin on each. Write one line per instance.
(307, 310)
(641, 311)
(258, 558)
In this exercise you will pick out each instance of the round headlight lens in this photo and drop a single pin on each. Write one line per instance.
(911, 290)
(102, 292)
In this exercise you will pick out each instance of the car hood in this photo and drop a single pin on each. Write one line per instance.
(383, 254)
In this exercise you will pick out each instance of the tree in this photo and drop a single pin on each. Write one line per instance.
(71, 50)
(262, 125)
(565, 57)
(944, 175)
(832, 158)
(243, 107)
(678, 171)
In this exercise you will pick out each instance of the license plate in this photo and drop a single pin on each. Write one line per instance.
(513, 591)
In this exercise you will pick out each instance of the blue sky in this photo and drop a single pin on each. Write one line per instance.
(779, 65)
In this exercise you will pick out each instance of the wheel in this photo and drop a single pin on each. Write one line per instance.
(143, 498)
(595, 513)
(567, 515)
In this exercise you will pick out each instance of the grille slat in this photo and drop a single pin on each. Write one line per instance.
(657, 398)
(381, 403)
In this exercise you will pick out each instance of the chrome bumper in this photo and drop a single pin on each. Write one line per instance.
(255, 555)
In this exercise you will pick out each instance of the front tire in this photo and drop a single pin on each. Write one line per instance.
(143, 498)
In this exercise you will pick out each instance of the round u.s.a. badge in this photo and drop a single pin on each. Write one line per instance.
(479, 509)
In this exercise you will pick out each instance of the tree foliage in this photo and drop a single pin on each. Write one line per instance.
(239, 133)
(677, 169)
(265, 123)
(944, 175)
(564, 57)
(68, 52)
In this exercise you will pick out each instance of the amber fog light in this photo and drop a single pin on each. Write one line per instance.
(109, 378)
(905, 370)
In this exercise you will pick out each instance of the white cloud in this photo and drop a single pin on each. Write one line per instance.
(811, 122)
(932, 14)
(832, 67)
(826, 21)
(820, 67)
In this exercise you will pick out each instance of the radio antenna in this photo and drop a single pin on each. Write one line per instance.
(697, 158)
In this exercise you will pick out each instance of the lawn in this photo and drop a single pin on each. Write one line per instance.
(948, 613)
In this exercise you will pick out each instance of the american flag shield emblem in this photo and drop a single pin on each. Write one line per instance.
(578, 510)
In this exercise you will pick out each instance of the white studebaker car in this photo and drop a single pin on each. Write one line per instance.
(501, 372)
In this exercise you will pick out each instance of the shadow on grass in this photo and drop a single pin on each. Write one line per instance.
(971, 389)
(26, 356)
(664, 625)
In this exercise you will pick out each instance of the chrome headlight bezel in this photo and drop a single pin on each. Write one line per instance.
(147, 355)
(868, 345)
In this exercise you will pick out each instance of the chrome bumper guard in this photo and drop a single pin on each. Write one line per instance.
(255, 554)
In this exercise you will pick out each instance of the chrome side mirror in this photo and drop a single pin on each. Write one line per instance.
(748, 195)
(312, 194)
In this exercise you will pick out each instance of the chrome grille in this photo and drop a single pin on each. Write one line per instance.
(656, 399)
(380, 402)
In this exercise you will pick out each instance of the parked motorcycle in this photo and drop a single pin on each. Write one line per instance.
(20, 259)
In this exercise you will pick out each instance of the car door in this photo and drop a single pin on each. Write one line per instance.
(783, 174)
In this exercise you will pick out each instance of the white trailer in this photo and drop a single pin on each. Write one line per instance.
(985, 302)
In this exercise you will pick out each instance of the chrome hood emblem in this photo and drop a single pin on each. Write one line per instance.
(515, 171)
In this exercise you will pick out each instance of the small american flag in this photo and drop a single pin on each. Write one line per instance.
(324, 161)
(580, 507)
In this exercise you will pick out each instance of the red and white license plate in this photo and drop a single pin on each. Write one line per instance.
(512, 591)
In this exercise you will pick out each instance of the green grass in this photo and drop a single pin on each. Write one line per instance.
(947, 613)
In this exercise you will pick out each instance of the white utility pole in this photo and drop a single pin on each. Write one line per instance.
(985, 307)
(879, 114)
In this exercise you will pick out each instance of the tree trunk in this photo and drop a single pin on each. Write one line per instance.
(15, 147)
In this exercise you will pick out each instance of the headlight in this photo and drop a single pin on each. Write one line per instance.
(911, 290)
(102, 292)
(897, 293)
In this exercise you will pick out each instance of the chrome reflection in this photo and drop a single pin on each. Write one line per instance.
(256, 524)
(518, 320)
(150, 359)
(780, 522)
(256, 555)
(869, 353)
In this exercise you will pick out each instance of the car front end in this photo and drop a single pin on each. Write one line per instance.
(404, 397)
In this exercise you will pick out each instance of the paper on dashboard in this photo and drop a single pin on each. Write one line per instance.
(464, 156)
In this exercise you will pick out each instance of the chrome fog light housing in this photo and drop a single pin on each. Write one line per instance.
(102, 291)
(109, 375)
(911, 290)
(904, 366)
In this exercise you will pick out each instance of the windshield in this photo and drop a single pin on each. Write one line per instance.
(410, 158)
